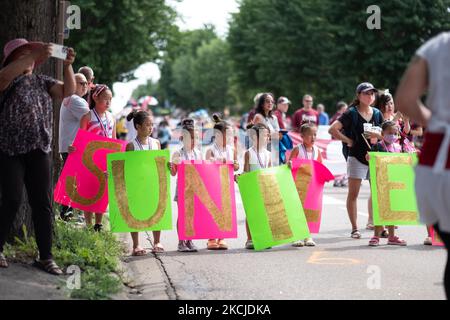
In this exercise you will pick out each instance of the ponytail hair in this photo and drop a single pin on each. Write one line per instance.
(138, 117)
(383, 99)
(99, 88)
(188, 124)
(219, 123)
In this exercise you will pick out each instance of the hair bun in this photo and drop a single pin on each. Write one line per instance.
(216, 117)
(131, 115)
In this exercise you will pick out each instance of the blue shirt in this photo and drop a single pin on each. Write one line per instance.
(324, 119)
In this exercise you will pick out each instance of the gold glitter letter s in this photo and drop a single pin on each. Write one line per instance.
(302, 181)
(88, 161)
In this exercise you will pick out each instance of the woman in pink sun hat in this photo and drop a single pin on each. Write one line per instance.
(26, 117)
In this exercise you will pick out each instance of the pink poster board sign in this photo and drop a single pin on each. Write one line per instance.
(310, 177)
(83, 183)
(206, 200)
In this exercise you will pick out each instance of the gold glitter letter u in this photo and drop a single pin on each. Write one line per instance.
(120, 190)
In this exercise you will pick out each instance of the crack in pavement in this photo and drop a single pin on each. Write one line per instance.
(171, 290)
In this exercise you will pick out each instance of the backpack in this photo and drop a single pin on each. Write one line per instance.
(351, 132)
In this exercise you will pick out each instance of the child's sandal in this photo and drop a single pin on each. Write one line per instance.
(374, 242)
(158, 248)
(212, 244)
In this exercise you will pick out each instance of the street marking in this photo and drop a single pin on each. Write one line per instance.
(316, 258)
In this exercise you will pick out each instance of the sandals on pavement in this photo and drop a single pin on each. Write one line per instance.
(139, 252)
(370, 226)
(222, 244)
(309, 242)
(3, 262)
(355, 234)
(158, 248)
(49, 266)
(396, 241)
(249, 245)
(212, 244)
(298, 244)
(374, 242)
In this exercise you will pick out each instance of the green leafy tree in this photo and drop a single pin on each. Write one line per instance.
(324, 47)
(119, 35)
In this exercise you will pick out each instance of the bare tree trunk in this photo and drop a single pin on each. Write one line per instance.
(35, 21)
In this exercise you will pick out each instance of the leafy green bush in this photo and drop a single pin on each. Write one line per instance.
(95, 253)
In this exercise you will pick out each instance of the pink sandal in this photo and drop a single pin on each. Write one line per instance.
(374, 241)
(396, 241)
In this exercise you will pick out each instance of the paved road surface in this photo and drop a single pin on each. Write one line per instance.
(337, 268)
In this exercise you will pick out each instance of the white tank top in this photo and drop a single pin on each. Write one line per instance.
(192, 155)
(152, 144)
(220, 154)
(258, 161)
(304, 154)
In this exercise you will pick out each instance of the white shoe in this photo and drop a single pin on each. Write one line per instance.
(298, 244)
(309, 242)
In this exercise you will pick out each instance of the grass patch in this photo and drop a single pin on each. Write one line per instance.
(97, 254)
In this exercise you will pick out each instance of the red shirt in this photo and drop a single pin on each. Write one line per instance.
(251, 115)
(277, 113)
(301, 117)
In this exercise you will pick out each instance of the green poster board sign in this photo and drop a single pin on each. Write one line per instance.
(392, 184)
(274, 212)
(139, 191)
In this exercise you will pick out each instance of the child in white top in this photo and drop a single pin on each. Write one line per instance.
(221, 151)
(143, 123)
(255, 158)
(101, 122)
(187, 152)
(307, 150)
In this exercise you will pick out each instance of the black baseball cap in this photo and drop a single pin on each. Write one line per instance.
(364, 87)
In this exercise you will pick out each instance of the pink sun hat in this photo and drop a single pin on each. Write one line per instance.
(15, 44)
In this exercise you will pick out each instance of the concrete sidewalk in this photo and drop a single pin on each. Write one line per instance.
(25, 282)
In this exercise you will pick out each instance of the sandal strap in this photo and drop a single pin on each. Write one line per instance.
(49, 265)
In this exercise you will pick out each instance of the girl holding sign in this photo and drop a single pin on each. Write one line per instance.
(187, 152)
(307, 150)
(390, 143)
(101, 122)
(221, 151)
(143, 123)
(256, 158)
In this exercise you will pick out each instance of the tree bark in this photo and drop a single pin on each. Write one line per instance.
(34, 21)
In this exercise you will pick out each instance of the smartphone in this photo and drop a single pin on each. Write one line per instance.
(59, 51)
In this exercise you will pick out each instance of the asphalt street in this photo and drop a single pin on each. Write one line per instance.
(337, 268)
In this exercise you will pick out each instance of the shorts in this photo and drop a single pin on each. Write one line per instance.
(357, 170)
